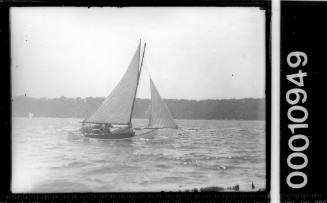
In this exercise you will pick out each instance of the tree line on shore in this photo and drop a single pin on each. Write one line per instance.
(222, 109)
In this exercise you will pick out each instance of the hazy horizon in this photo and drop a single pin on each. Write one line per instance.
(192, 53)
(246, 109)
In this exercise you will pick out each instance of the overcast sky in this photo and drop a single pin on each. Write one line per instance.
(192, 53)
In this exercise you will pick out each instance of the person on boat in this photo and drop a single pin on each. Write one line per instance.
(95, 129)
(87, 128)
(97, 126)
(107, 128)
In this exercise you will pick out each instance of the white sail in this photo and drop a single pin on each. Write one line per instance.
(160, 116)
(118, 106)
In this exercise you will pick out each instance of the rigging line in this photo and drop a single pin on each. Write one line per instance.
(146, 69)
(137, 84)
(139, 65)
(143, 65)
(142, 57)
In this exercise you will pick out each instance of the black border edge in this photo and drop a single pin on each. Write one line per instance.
(5, 101)
(301, 30)
(128, 3)
(5, 107)
(268, 98)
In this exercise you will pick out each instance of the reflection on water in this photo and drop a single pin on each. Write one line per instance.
(50, 155)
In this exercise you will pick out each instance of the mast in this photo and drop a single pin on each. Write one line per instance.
(142, 58)
(137, 84)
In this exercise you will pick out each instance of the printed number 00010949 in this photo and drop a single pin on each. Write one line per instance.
(296, 97)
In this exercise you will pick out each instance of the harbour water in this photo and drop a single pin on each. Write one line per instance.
(50, 155)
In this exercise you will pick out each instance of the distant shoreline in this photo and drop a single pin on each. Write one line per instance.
(181, 109)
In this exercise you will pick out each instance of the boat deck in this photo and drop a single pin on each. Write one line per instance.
(120, 134)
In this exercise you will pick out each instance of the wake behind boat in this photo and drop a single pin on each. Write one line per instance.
(112, 119)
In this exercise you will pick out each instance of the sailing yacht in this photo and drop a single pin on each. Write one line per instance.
(112, 119)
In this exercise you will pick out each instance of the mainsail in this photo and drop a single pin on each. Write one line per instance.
(160, 116)
(117, 108)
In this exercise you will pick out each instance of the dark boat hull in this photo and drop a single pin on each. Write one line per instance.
(122, 133)
(110, 136)
(115, 136)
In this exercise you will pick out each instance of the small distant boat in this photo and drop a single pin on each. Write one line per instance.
(30, 115)
(112, 119)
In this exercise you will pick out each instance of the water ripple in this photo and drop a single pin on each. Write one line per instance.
(52, 156)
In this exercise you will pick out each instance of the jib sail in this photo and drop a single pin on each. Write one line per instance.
(160, 116)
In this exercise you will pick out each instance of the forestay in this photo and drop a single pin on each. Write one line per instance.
(160, 116)
(117, 107)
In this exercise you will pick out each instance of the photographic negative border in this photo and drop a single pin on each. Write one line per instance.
(262, 196)
(302, 140)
